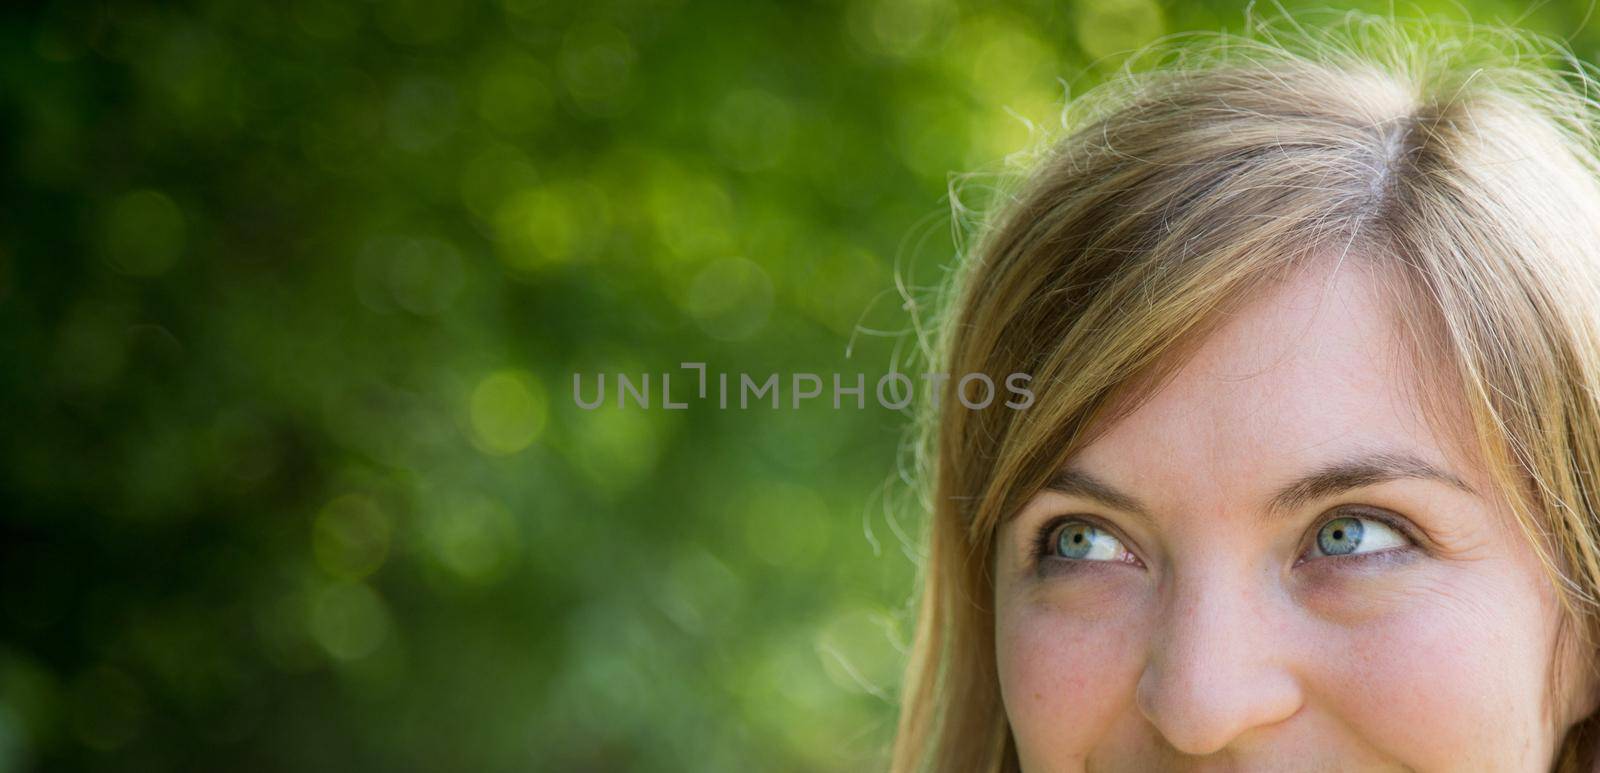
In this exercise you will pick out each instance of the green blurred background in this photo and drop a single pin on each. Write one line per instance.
(291, 297)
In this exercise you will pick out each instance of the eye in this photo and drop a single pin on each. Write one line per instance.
(1351, 535)
(1079, 540)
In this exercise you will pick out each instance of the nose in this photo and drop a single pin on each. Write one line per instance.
(1219, 667)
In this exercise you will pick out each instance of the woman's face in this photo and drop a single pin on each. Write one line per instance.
(1277, 564)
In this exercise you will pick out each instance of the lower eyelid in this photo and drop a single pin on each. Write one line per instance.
(1387, 557)
(1057, 566)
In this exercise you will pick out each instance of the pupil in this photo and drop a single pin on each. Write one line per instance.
(1338, 533)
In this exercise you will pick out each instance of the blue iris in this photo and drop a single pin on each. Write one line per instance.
(1340, 536)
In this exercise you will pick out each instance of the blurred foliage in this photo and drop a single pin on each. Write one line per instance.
(291, 297)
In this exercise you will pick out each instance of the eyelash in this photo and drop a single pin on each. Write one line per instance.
(1042, 540)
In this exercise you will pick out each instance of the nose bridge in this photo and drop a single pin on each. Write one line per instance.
(1219, 660)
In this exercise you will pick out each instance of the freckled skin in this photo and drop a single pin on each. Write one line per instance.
(1222, 651)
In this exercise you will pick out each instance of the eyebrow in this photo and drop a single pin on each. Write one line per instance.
(1353, 472)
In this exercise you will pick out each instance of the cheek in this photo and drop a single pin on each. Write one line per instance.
(1451, 679)
(1064, 677)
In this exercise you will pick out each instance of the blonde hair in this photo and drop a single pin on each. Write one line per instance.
(1461, 159)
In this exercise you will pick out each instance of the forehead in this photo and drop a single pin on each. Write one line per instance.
(1311, 368)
